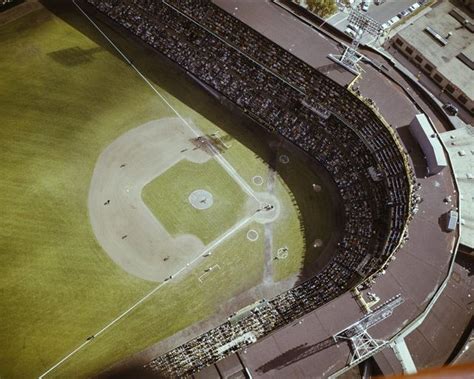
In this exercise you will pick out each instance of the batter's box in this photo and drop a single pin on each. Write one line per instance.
(207, 272)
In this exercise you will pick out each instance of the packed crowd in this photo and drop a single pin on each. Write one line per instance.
(288, 97)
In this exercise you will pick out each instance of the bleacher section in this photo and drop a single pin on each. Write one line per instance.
(288, 97)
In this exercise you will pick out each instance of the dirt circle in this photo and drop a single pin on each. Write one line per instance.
(252, 235)
(318, 243)
(317, 188)
(282, 253)
(201, 199)
(257, 180)
(122, 223)
(269, 208)
(284, 159)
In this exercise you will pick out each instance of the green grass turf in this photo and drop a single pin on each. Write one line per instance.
(56, 283)
(64, 99)
(318, 210)
(287, 233)
(157, 318)
(167, 197)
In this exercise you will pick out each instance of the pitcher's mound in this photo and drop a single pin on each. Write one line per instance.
(201, 199)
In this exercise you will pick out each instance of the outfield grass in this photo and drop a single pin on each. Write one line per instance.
(157, 319)
(64, 99)
(287, 233)
(56, 283)
(318, 212)
(167, 197)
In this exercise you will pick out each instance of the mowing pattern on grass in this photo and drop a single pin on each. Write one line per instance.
(57, 285)
(182, 304)
(64, 99)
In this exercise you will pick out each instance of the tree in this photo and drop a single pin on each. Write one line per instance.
(323, 8)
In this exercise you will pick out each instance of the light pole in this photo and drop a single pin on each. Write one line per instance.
(361, 24)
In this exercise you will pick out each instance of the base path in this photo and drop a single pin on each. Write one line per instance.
(123, 225)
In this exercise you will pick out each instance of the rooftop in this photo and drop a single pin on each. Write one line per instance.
(460, 146)
(440, 37)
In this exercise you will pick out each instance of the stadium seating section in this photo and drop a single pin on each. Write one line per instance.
(285, 96)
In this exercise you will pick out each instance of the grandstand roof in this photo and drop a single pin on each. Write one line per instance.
(295, 350)
(298, 343)
(460, 146)
(292, 36)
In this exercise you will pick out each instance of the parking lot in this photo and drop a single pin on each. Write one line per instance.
(381, 13)
(384, 12)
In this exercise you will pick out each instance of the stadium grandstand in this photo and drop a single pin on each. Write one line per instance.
(5, 2)
(325, 120)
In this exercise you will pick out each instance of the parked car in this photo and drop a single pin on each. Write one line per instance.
(414, 6)
(353, 31)
(394, 20)
(450, 109)
(350, 31)
(365, 5)
(404, 13)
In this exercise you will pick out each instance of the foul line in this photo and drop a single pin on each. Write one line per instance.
(211, 246)
(218, 241)
(226, 165)
(208, 248)
(80, 347)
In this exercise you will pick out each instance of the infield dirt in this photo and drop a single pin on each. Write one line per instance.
(66, 96)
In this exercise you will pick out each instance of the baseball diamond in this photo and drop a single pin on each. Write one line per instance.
(190, 189)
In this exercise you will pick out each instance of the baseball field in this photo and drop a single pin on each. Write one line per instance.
(129, 214)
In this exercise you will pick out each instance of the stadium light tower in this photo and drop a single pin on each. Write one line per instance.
(362, 24)
(362, 343)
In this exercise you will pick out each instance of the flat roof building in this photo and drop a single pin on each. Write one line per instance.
(460, 146)
(441, 44)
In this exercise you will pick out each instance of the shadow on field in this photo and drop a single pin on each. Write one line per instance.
(320, 211)
(130, 372)
(300, 173)
(74, 56)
